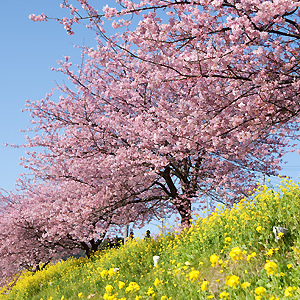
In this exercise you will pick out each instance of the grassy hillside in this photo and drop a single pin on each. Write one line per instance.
(230, 255)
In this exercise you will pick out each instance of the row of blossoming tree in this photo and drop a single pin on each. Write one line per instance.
(175, 102)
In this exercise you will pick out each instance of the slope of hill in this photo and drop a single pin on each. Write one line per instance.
(236, 253)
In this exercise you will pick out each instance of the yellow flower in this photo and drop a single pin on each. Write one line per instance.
(210, 297)
(111, 272)
(227, 239)
(224, 295)
(104, 273)
(245, 284)
(214, 260)
(280, 235)
(105, 296)
(165, 298)
(289, 266)
(80, 295)
(270, 267)
(157, 282)
(288, 290)
(232, 281)
(136, 298)
(109, 288)
(133, 286)
(151, 292)
(260, 290)
(109, 297)
(258, 228)
(236, 254)
(270, 252)
(121, 284)
(176, 271)
(204, 285)
(193, 275)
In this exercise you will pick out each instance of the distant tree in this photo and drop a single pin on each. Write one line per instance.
(46, 222)
(191, 99)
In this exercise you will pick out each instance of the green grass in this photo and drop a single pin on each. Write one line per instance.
(231, 254)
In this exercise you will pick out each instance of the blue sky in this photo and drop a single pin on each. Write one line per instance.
(28, 50)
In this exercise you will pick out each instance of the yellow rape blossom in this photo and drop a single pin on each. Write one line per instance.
(150, 292)
(224, 295)
(103, 273)
(253, 254)
(193, 275)
(288, 291)
(121, 284)
(157, 282)
(204, 285)
(227, 240)
(109, 297)
(270, 267)
(214, 260)
(232, 281)
(132, 287)
(236, 254)
(109, 288)
(245, 284)
(111, 272)
(260, 290)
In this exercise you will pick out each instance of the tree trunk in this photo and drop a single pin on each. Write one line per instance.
(85, 247)
(185, 211)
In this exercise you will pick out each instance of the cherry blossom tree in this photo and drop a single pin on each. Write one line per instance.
(48, 221)
(189, 99)
(20, 244)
